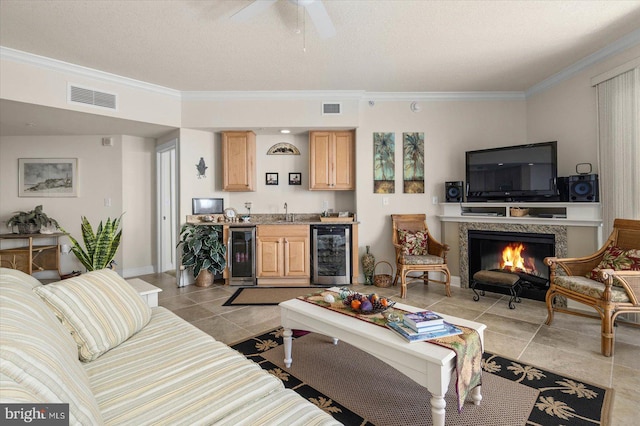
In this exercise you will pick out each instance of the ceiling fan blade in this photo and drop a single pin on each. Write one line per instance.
(320, 18)
(252, 9)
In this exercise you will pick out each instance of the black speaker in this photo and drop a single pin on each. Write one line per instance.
(562, 183)
(453, 191)
(583, 188)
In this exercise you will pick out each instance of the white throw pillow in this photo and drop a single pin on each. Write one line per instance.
(100, 309)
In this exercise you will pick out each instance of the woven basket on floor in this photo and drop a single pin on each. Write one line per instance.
(382, 280)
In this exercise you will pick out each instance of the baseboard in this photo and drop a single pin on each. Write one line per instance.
(134, 272)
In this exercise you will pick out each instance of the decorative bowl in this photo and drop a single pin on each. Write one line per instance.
(378, 304)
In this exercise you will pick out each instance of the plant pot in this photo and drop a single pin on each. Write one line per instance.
(204, 278)
(28, 228)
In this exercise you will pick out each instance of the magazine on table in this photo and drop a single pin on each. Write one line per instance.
(423, 319)
(413, 336)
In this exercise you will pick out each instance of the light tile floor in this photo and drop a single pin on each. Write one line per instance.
(570, 346)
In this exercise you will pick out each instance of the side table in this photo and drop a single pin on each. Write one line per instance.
(34, 255)
(147, 291)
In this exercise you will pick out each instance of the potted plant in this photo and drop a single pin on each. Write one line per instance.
(31, 222)
(203, 250)
(100, 247)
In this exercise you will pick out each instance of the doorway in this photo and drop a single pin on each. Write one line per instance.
(167, 206)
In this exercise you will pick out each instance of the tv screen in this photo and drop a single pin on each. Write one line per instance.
(513, 173)
(207, 205)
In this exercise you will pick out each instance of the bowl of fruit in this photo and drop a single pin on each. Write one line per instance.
(367, 304)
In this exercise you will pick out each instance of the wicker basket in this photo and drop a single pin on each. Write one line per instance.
(382, 280)
(518, 212)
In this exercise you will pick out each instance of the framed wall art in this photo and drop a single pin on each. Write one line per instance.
(413, 162)
(295, 178)
(47, 177)
(271, 178)
(384, 145)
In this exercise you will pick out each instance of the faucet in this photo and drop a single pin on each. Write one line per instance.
(287, 217)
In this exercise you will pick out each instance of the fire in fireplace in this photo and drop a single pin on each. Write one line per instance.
(518, 253)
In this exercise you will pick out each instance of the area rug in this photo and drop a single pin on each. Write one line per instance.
(358, 389)
(268, 295)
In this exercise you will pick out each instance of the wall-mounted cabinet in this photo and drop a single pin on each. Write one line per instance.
(239, 161)
(332, 160)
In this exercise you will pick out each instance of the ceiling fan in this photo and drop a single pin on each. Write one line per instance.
(314, 8)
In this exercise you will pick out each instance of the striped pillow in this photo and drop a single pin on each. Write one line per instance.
(100, 309)
(38, 357)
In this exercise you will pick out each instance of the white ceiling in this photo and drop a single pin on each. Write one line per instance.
(380, 46)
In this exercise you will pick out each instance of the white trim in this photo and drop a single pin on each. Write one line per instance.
(142, 270)
(281, 94)
(608, 75)
(617, 46)
(65, 67)
(444, 96)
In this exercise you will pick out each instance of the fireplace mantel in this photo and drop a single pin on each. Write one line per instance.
(564, 214)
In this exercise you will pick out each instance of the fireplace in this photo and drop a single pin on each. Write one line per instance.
(518, 253)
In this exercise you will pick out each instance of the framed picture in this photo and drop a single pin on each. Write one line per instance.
(47, 177)
(295, 178)
(272, 178)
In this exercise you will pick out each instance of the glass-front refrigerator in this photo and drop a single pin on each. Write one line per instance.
(241, 249)
(331, 254)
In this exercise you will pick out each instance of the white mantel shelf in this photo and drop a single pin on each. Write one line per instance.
(566, 214)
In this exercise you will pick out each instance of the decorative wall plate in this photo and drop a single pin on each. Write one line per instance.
(283, 148)
(230, 213)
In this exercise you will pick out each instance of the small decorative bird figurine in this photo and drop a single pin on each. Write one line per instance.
(202, 168)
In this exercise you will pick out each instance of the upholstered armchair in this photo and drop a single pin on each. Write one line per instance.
(418, 251)
(608, 280)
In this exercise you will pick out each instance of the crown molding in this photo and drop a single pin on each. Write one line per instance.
(275, 95)
(617, 46)
(65, 67)
(444, 96)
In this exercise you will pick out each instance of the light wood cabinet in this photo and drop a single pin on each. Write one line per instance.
(239, 161)
(332, 160)
(283, 252)
(32, 257)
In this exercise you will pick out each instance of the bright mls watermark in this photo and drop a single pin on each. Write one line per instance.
(34, 414)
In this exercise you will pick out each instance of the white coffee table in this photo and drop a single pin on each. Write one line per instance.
(147, 291)
(427, 364)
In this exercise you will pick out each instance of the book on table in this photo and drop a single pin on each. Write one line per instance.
(413, 336)
(430, 327)
(423, 319)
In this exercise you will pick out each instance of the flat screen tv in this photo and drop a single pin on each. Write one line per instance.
(513, 173)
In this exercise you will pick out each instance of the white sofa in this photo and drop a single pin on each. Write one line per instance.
(137, 366)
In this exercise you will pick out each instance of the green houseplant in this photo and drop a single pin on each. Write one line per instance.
(203, 250)
(100, 247)
(30, 222)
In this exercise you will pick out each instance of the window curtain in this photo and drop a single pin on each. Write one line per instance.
(619, 147)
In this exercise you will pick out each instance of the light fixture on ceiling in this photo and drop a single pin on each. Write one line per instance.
(285, 131)
(415, 107)
(372, 103)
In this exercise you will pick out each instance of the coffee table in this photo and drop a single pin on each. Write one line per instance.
(427, 364)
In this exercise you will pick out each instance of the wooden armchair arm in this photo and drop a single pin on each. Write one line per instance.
(630, 281)
(575, 265)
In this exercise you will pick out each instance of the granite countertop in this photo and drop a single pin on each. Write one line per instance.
(272, 219)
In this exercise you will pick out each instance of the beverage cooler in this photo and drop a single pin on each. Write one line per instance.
(331, 254)
(241, 259)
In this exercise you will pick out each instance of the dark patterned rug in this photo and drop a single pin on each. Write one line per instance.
(358, 389)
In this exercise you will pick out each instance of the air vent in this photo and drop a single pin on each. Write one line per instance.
(86, 96)
(331, 108)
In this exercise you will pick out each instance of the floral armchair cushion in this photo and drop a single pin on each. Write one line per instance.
(413, 243)
(619, 260)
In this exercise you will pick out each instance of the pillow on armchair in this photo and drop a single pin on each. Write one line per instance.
(617, 259)
(413, 243)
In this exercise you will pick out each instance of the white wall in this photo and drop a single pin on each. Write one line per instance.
(450, 128)
(567, 112)
(100, 173)
(138, 246)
